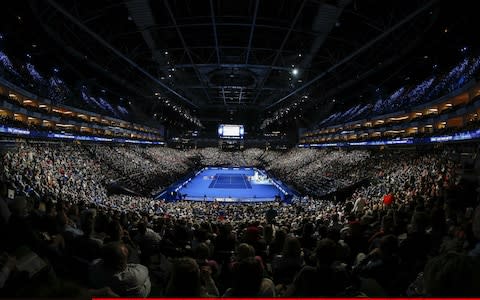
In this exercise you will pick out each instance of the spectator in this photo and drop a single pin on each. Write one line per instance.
(189, 280)
(327, 279)
(114, 271)
(452, 275)
(249, 281)
(286, 265)
(382, 265)
(86, 246)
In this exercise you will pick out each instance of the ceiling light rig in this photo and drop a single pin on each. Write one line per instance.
(182, 111)
(282, 113)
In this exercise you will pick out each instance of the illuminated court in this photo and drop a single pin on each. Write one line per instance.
(228, 185)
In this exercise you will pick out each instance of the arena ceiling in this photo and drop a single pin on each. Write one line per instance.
(227, 60)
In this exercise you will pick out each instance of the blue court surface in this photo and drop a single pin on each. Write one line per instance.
(228, 185)
(230, 181)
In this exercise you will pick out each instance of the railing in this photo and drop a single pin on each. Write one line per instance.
(457, 137)
(28, 133)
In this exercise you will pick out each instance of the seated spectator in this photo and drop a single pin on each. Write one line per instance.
(286, 265)
(387, 227)
(4, 211)
(113, 270)
(253, 236)
(249, 280)
(452, 275)
(382, 264)
(276, 246)
(189, 280)
(66, 227)
(475, 252)
(415, 248)
(203, 258)
(116, 233)
(308, 240)
(148, 241)
(7, 265)
(245, 251)
(453, 241)
(327, 279)
(86, 246)
(20, 232)
(225, 240)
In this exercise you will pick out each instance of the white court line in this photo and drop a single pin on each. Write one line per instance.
(244, 181)
(216, 179)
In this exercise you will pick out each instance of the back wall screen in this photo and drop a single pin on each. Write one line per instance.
(229, 131)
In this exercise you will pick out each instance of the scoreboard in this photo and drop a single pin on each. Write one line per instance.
(229, 131)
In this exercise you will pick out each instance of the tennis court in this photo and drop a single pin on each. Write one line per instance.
(230, 181)
(224, 184)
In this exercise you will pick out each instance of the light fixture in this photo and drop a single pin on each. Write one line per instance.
(295, 71)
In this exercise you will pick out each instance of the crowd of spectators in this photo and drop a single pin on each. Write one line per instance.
(320, 172)
(404, 97)
(51, 86)
(214, 157)
(146, 171)
(411, 231)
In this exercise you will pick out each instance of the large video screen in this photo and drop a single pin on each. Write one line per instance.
(229, 131)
